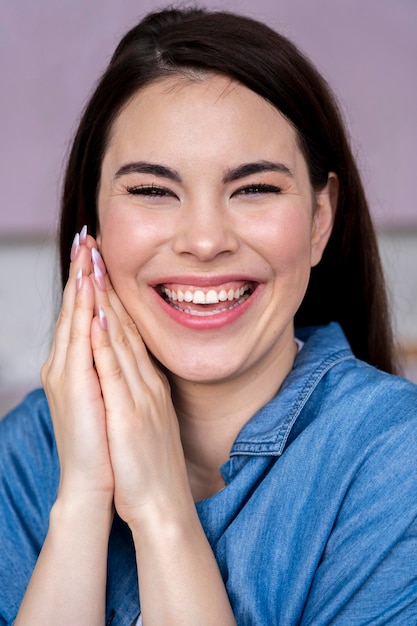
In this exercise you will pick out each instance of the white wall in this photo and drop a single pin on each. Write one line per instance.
(27, 313)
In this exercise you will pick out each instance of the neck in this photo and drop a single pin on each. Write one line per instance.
(212, 414)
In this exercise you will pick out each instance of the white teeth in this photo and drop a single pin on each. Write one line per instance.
(211, 297)
(199, 297)
(223, 295)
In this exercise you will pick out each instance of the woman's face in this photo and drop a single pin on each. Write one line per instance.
(207, 227)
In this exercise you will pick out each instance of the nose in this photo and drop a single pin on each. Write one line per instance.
(205, 231)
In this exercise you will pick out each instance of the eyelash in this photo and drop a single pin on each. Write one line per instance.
(149, 190)
(257, 188)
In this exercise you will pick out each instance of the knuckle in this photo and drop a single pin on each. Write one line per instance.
(63, 316)
(130, 325)
(121, 340)
(115, 374)
(74, 335)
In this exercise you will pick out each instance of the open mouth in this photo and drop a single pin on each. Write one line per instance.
(208, 301)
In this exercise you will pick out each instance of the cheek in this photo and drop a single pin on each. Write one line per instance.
(286, 244)
(125, 246)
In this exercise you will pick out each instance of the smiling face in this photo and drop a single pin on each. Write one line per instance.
(208, 226)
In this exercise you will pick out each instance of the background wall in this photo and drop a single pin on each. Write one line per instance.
(52, 53)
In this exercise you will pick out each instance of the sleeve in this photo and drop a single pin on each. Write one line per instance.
(368, 572)
(28, 486)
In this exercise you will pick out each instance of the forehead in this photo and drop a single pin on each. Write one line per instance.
(199, 91)
(212, 113)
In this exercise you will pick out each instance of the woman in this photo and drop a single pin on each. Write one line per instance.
(193, 461)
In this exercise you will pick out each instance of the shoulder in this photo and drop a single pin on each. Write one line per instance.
(338, 378)
(363, 419)
(341, 396)
(34, 402)
(367, 427)
(371, 408)
(27, 447)
(364, 391)
(27, 421)
(29, 474)
(366, 431)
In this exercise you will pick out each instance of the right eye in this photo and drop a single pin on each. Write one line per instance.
(149, 190)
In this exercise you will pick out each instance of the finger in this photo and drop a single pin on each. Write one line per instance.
(134, 406)
(117, 376)
(80, 265)
(79, 350)
(124, 334)
(106, 296)
(121, 350)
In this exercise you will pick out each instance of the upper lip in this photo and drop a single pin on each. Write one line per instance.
(203, 280)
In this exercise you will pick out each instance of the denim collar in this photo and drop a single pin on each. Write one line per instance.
(267, 432)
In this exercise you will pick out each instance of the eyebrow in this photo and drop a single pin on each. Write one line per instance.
(246, 169)
(142, 167)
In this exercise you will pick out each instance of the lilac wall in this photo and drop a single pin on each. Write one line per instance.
(51, 53)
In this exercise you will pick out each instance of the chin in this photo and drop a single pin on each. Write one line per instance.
(202, 372)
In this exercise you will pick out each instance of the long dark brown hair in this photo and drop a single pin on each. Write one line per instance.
(347, 286)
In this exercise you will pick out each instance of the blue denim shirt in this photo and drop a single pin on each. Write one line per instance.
(317, 523)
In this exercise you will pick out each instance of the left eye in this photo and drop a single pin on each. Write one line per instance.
(257, 189)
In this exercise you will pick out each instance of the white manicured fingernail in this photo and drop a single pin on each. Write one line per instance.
(98, 260)
(98, 275)
(83, 234)
(79, 279)
(75, 248)
(102, 318)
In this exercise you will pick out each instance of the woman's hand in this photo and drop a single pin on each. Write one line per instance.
(68, 585)
(73, 389)
(142, 427)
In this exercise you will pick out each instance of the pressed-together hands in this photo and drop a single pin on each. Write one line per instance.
(119, 446)
(73, 388)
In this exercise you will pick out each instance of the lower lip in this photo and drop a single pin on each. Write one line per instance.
(207, 322)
